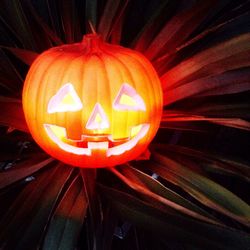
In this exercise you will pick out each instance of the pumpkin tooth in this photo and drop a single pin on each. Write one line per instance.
(98, 145)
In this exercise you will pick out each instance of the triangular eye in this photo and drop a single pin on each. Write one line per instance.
(97, 119)
(66, 99)
(128, 99)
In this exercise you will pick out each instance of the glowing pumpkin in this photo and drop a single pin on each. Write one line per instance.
(92, 104)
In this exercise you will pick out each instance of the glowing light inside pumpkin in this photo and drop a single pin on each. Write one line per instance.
(135, 130)
(58, 131)
(128, 99)
(97, 119)
(66, 99)
(120, 149)
(52, 131)
(65, 146)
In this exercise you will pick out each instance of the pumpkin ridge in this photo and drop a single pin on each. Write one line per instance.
(127, 71)
(151, 80)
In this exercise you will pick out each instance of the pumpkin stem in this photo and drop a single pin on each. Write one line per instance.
(92, 42)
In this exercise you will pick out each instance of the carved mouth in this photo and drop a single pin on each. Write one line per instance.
(87, 143)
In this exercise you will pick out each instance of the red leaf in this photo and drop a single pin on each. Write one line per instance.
(27, 56)
(111, 17)
(70, 21)
(178, 29)
(24, 169)
(153, 25)
(229, 55)
(116, 30)
(227, 83)
(12, 113)
(187, 117)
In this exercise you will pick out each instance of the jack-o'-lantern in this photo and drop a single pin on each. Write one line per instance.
(92, 104)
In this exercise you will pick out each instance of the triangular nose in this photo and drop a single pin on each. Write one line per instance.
(97, 119)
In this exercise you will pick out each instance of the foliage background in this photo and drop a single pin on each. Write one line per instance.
(199, 196)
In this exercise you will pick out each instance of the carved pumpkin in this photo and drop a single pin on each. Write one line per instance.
(92, 104)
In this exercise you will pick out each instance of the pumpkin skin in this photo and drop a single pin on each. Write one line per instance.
(92, 104)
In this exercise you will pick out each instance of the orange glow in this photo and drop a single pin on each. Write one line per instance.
(127, 100)
(58, 131)
(68, 100)
(92, 104)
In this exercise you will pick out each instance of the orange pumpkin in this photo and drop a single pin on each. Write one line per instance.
(92, 104)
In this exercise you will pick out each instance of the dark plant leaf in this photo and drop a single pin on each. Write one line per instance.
(89, 184)
(171, 117)
(38, 24)
(26, 56)
(10, 78)
(91, 13)
(223, 109)
(208, 161)
(142, 179)
(226, 83)
(27, 168)
(12, 114)
(116, 29)
(172, 228)
(203, 189)
(229, 55)
(66, 223)
(162, 202)
(178, 29)
(234, 123)
(70, 21)
(147, 34)
(13, 14)
(26, 219)
(107, 18)
(227, 27)
(110, 223)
